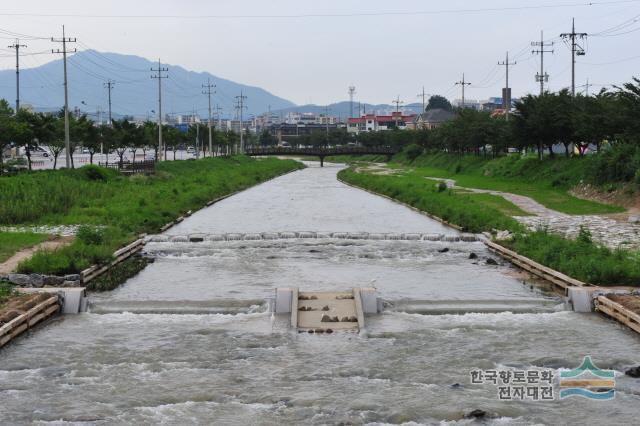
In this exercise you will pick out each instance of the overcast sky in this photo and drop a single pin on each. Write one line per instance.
(315, 58)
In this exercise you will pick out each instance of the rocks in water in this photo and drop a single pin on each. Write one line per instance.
(344, 319)
(476, 414)
(306, 309)
(473, 256)
(311, 331)
(633, 372)
(326, 318)
(71, 283)
(325, 308)
(491, 261)
(456, 386)
(319, 331)
(444, 250)
(329, 331)
(634, 219)
(72, 277)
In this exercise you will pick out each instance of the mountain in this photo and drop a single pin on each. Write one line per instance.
(135, 93)
(342, 109)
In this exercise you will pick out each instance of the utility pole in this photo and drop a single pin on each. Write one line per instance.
(463, 83)
(67, 138)
(423, 95)
(576, 50)
(159, 77)
(209, 91)
(240, 105)
(17, 46)
(543, 77)
(326, 118)
(109, 85)
(506, 96)
(587, 87)
(352, 92)
(398, 102)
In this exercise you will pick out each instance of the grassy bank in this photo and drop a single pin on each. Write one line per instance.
(6, 292)
(581, 258)
(547, 181)
(119, 207)
(472, 212)
(12, 242)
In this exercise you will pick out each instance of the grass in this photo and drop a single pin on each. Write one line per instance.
(6, 292)
(581, 258)
(12, 242)
(122, 206)
(496, 202)
(118, 274)
(546, 181)
(471, 212)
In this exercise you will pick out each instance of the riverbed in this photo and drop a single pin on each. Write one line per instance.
(189, 340)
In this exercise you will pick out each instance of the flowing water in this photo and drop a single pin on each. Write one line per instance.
(189, 340)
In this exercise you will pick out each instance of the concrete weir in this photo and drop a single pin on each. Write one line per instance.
(198, 238)
(327, 312)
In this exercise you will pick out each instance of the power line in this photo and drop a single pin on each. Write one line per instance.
(327, 15)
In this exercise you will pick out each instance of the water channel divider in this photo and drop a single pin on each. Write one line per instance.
(308, 235)
(28, 319)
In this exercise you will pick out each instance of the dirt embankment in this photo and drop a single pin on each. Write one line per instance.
(630, 302)
(626, 196)
(20, 304)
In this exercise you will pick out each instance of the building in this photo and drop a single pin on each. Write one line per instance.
(433, 118)
(376, 123)
(290, 132)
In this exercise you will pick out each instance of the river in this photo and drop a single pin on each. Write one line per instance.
(189, 340)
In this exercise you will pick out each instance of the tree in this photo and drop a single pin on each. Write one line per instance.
(267, 139)
(7, 129)
(439, 102)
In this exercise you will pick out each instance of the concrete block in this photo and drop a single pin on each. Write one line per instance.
(369, 298)
(74, 300)
(283, 300)
(581, 298)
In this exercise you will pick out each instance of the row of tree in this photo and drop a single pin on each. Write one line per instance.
(32, 131)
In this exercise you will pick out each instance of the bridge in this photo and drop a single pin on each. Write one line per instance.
(321, 152)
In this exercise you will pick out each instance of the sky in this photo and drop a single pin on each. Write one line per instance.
(311, 52)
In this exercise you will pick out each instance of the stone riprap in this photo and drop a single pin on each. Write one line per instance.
(609, 232)
(62, 230)
(39, 281)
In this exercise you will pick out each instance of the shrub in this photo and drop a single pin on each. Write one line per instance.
(90, 235)
(93, 172)
(442, 186)
(413, 151)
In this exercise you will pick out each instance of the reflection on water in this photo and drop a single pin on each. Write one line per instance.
(189, 340)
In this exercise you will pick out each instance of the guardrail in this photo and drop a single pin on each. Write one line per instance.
(146, 166)
(557, 278)
(618, 312)
(25, 321)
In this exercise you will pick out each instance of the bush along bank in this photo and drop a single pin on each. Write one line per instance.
(581, 259)
(115, 208)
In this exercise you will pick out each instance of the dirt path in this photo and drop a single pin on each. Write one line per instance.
(611, 231)
(11, 264)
